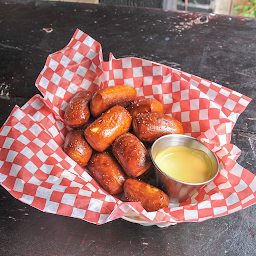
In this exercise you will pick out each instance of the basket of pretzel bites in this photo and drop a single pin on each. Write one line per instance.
(111, 133)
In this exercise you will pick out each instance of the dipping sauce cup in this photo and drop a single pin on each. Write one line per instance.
(182, 165)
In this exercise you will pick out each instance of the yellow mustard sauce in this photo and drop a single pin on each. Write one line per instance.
(185, 164)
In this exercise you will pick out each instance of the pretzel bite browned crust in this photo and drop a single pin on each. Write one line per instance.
(150, 126)
(103, 131)
(107, 97)
(149, 105)
(107, 171)
(150, 197)
(77, 112)
(131, 154)
(76, 147)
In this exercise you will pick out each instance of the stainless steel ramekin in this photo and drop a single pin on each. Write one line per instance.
(179, 191)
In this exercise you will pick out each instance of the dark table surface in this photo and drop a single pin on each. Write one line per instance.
(218, 48)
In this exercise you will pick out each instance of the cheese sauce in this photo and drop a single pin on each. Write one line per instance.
(185, 164)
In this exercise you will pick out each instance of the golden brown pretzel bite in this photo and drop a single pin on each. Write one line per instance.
(131, 154)
(150, 197)
(107, 97)
(107, 171)
(77, 112)
(103, 131)
(76, 147)
(150, 126)
(148, 105)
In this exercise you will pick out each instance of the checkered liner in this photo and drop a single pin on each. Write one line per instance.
(35, 169)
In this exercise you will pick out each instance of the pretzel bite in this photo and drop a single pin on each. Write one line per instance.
(131, 154)
(76, 147)
(150, 126)
(77, 112)
(148, 105)
(106, 98)
(104, 130)
(150, 197)
(107, 171)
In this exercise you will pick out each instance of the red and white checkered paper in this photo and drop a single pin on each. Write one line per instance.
(35, 170)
